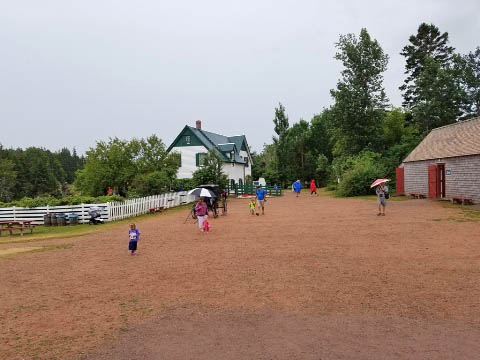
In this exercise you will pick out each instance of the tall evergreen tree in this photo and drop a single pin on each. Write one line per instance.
(439, 96)
(280, 141)
(360, 98)
(470, 69)
(428, 43)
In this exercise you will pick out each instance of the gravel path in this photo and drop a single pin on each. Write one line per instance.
(315, 278)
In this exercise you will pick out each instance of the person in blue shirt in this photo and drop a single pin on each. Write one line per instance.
(297, 187)
(260, 199)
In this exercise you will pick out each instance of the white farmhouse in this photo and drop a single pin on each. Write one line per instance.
(193, 144)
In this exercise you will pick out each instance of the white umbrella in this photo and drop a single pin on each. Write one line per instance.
(202, 192)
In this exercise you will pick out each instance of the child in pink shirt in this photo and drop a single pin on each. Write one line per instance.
(206, 224)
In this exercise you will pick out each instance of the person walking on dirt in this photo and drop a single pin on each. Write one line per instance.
(382, 192)
(134, 236)
(206, 224)
(297, 187)
(252, 206)
(260, 199)
(313, 188)
(201, 210)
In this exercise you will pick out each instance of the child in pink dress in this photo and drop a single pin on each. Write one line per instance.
(206, 224)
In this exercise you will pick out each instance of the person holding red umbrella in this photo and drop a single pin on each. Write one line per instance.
(313, 188)
(382, 195)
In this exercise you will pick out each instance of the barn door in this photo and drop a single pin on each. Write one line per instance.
(400, 183)
(432, 182)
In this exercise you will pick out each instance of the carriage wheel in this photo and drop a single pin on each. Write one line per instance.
(193, 213)
(215, 211)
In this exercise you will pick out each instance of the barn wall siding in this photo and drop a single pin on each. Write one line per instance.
(463, 182)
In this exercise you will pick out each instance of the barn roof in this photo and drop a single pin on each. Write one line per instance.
(459, 139)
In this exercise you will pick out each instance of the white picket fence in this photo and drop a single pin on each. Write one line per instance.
(136, 207)
(111, 211)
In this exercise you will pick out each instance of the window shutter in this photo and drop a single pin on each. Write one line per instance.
(197, 159)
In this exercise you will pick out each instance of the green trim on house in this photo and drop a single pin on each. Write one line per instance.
(181, 139)
(199, 158)
(244, 146)
(222, 144)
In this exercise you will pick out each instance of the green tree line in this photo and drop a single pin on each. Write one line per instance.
(361, 136)
(36, 172)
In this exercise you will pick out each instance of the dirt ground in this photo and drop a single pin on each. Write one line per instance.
(315, 278)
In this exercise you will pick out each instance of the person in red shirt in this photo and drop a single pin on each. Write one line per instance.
(313, 188)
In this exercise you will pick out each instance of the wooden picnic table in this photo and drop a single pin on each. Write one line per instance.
(19, 224)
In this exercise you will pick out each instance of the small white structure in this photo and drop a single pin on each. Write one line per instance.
(260, 181)
(193, 143)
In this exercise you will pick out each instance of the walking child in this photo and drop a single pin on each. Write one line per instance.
(297, 187)
(134, 236)
(206, 224)
(252, 206)
(313, 188)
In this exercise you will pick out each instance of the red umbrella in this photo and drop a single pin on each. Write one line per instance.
(378, 182)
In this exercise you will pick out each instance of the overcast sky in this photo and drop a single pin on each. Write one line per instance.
(74, 72)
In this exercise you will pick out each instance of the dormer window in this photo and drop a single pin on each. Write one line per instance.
(187, 139)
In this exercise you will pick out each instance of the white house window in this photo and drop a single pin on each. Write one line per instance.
(187, 139)
(200, 159)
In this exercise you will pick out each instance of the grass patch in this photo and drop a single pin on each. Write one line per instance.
(41, 232)
(17, 251)
(466, 212)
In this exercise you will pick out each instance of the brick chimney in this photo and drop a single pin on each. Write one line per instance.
(198, 124)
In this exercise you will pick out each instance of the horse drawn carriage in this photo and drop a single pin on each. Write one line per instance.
(216, 202)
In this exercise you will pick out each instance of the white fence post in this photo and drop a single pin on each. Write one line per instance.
(109, 210)
(82, 214)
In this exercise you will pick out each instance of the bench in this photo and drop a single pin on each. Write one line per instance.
(463, 201)
(418, 196)
(157, 209)
(21, 228)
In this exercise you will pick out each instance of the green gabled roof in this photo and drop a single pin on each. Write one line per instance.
(226, 147)
(239, 141)
(211, 140)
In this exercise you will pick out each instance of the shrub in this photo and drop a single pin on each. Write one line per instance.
(186, 184)
(365, 168)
